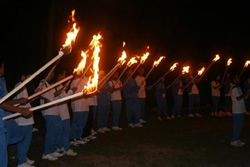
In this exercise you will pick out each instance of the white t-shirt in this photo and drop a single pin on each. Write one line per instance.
(194, 90)
(215, 91)
(141, 83)
(238, 106)
(116, 95)
(92, 100)
(52, 110)
(21, 121)
(79, 104)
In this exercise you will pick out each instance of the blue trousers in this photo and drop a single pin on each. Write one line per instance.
(117, 107)
(133, 110)
(3, 149)
(64, 134)
(228, 102)
(142, 107)
(103, 114)
(52, 133)
(215, 101)
(238, 121)
(177, 105)
(194, 102)
(161, 104)
(78, 123)
(14, 133)
(24, 145)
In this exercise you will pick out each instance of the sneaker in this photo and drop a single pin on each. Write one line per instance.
(131, 125)
(35, 129)
(85, 139)
(70, 152)
(142, 121)
(106, 129)
(198, 115)
(81, 141)
(138, 125)
(74, 143)
(159, 118)
(240, 143)
(190, 115)
(100, 130)
(234, 144)
(25, 165)
(93, 132)
(59, 150)
(169, 118)
(116, 128)
(30, 162)
(92, 137)
(56, 154)
(49, 157)
(173, 117)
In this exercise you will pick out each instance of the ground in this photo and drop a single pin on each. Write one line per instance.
(201, 142)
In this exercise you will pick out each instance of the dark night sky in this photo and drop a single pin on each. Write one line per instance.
(188, 32)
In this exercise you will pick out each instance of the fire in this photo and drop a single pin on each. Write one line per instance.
(229, 62)
(131, 61)
(217, 57)
(200, 72)
(124, 43)
(122, 59)
(144, 57)
(92, 84)
(72, 17)
(185, 69)
(173, 66)
(71, 36)
(247, 63)
(82, 64)
(156, 63)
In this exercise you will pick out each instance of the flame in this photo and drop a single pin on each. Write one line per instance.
(156, 63)
(185, 69)
(72, 17)
(82, 64)
(173, 66)
(229, 62)
(247, 63)
(92, 84)
(144, 57)
(217, 57)
(71, 36)
(131, 61)
(124, 43)
(200, 72)
(122, 59)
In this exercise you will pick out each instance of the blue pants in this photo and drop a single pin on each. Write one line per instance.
(24, 145)
(228, 102)
(142, 107)
(133, 110)
(3, 149)
(194, 102)
(65, 134)
(103, 114)
(215, 101)
(117, 107)
(78, 123)
(238, 121)
(14, 133)
(177, 105)
(161, 104)
(52, 133)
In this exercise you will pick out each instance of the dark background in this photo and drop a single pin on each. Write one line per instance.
(187, 32)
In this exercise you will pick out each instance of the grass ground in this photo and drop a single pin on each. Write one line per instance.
(184, 142)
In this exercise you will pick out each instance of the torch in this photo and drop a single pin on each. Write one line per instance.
(229, 62)
(129, 64)
(172, 68)
(245, 66)
(155, 64)
(199, 73)
(66, 49)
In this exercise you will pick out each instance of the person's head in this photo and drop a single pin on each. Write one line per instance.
(129, 72)
(60, 75)
(1, 67)
(116, 75)
(217, 78)
(141, 71)
(24, 76)
(235, 79)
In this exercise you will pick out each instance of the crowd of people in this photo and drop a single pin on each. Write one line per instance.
(90, 113)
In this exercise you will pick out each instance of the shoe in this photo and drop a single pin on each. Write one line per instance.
(138, 125)
(178, 116)
(169, 118)
(59, 150)
(198, 115)
(234, 144)
(35, 129)
(30, 162)
(240, 143)
(106, 129)
(91, 137)
(81, 141)
(100, 130)
(85, 139)
(70, 152)
(131, 125)
(142, 121)
(49, 157)
(25, 165)
(159, 118)
(93, 132)
(74, 143)
(173, 117)
(116, 128)
(56, 154)
(190, 115)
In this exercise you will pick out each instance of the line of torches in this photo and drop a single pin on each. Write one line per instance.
(94, 84)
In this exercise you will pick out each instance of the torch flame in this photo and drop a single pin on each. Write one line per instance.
(173, 66)
(82, 64)
(72, 17)
(124, 43)
(185, 69)
(122, 59)
(200, 72)
(156, 63)
(92, 84)
(217, 57)
(131, 61)
(229, 62)
(144, 57)
(247, 63)
(71, 36)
